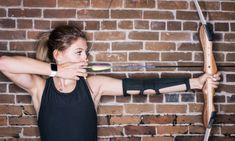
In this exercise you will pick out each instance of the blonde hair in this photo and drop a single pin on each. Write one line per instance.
(42, 48)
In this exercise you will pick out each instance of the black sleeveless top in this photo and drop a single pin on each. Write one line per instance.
(67, 117)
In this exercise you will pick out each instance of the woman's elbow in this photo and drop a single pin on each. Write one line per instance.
(3, 62)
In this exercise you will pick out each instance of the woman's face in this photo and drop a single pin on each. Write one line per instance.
(77, 52)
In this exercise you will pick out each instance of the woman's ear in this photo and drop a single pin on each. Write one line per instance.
(57, 55)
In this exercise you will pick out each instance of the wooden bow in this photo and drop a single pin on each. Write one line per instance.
(210, 68)
(205, 37)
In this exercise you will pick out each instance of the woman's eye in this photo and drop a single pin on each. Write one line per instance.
(79, 52)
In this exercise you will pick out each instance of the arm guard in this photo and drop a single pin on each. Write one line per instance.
(154, 84)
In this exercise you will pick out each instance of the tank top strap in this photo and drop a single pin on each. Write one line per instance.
(46, 91)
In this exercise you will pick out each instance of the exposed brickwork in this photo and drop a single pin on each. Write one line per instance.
(128, 32)
(27, 12)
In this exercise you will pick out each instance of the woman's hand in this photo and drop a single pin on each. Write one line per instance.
(72, 70)
(205, 77)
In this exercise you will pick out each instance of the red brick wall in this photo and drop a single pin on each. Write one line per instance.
(130, 32)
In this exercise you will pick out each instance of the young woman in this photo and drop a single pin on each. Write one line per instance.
(66, 102)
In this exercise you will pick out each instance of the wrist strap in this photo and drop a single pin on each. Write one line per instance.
(53, 70)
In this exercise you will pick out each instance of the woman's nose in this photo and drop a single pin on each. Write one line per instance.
(84, 57)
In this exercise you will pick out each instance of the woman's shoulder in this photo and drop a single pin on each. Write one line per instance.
(95, 82)
(97, 78)
(94, 79)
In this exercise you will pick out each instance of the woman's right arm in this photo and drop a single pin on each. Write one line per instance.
(20, 70)
(24, 71)
(20, 64)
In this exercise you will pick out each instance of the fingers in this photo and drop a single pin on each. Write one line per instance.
(80, 65)
(83, 74)
(218, 73)
(80, 71)
(77, 67)
(212, 82)
(72, 70)
(217, 76)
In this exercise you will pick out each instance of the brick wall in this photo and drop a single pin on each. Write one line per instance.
(127, 32)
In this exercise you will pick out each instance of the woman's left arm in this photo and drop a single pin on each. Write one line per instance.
(104, 85)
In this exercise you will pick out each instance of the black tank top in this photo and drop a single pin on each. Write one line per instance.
(67, 117)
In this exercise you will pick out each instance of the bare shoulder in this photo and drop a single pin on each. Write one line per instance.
(105, 85)
(95, 82)
(99, 79)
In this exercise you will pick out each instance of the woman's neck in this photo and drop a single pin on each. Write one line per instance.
(64, 85)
